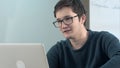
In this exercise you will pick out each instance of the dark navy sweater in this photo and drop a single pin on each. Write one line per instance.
(101, 50)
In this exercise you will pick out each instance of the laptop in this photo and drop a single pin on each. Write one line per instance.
(22, 55)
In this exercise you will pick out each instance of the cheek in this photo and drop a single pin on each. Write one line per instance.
(60, 29)
(76, 26)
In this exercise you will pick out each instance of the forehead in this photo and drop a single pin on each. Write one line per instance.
(65, 11)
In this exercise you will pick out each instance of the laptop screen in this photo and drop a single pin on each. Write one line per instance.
(22, 55)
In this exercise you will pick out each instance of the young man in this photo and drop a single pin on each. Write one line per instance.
(82, 48)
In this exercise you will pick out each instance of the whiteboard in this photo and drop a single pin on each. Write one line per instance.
(105, 16)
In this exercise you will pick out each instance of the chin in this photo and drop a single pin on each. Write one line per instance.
(67, 37)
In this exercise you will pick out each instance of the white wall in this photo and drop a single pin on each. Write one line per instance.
(28, 21)
(105, 15)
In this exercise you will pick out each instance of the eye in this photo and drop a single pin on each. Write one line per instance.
(68, 18)
(59, 21)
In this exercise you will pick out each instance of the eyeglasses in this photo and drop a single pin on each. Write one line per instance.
(66, 21)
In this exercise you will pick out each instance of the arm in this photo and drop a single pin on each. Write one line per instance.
(112, 50)
(52, 57)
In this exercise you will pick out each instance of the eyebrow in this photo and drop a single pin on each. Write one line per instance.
(63, 17)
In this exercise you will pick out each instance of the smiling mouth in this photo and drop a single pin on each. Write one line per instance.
(66, 31)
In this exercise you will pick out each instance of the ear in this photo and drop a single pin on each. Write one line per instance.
(83, 18)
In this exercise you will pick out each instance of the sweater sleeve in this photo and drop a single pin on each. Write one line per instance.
(112, 50)
(52, 57)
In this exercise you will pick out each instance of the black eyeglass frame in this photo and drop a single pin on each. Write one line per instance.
(63, 21)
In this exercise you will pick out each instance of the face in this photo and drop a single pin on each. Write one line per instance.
(73, 29)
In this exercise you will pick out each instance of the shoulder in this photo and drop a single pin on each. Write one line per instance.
(103, 38)
(105, 35)
(60, 45)
(108, 36)
(54, 54)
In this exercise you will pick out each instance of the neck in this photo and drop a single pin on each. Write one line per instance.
(78, 41)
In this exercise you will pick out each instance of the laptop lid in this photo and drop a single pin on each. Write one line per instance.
(22, 55)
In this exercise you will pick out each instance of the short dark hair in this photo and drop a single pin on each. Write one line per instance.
(76, 6)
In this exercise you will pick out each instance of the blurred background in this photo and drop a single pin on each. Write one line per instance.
(30, 21)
